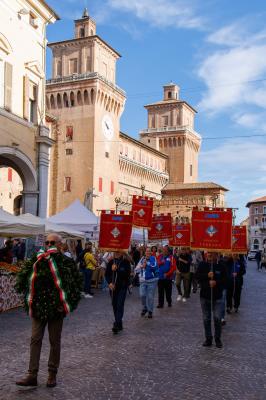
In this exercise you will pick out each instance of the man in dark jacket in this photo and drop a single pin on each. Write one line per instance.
(236, 269)
(211, 275)
(117, 275)
(183, 274)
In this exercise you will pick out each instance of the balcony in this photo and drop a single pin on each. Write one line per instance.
(167, 129)
(85, 76)
(143, 166)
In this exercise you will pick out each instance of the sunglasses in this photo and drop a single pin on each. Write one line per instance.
(51, 242)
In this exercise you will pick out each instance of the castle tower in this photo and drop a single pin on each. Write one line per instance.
(171, 131)
(87, 103)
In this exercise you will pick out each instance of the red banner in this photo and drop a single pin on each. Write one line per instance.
(161, 227)
(115, 231)
(212, 229)
(142, 208)
(181, 235)
(239, 239)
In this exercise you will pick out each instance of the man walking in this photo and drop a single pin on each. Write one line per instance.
(166, 271)
(183, 274)
(51, 285)
(211, 275)
(118, 273)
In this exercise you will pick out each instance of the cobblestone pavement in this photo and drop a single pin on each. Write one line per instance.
(154, 359)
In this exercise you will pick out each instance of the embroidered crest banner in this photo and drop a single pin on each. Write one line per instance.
(161, 227)
(212, 229)
(239, 239)
(142, 208)
(181, 235)
(115, 231)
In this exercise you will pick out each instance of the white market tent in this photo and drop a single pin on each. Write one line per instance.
(50, 227)
(77, 217)
(12, 226)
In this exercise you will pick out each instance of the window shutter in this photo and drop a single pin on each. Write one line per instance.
(112, 188)
(8, 86)
(26, 90)
(100, 184)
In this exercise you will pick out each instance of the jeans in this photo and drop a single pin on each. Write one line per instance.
(54, 329)
(207, 317)
(118, 302)
(164, 286)
(87, 277)
(223, 304)
(147, 292)
(185, 277)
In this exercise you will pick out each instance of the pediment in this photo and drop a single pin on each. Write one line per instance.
(35, 68)
(4, 44)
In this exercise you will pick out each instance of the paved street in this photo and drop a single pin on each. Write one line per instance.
(152, 359)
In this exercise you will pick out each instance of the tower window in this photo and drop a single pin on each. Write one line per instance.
(82, 32)
(106, 154)
(67, 186)
(69, 133)
(69, 152)
(59, 68)
(100, 185)
(191, 169)
(165, 120)
(169, 95)
(73, 66)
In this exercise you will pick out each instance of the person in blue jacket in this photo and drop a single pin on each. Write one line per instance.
(166, 270)
(147, 270)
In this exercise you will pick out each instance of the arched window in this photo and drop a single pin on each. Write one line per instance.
(86, 97)
(65, 100)
(169, 95)
(72, 99)
(170, 142)
(179, 141)
(52, 102)
(79, 98)
(82, 32)
(47, 102)
(165, 142)
(92, 96)
(174, 142)
(160, 143)
(59, 100)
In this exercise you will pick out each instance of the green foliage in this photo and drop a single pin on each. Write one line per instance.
(46, 301)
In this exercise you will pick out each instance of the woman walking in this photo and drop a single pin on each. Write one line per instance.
(148, 272)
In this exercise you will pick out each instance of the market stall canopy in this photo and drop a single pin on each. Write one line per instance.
(50, 227)
(76, 216)
(13, 226)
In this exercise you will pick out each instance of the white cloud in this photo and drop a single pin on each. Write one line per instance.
(240, 166)
(235, 71)
(161, 13)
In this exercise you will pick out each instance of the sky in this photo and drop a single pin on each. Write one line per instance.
(215, 51)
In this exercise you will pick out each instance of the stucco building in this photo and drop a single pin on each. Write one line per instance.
(257, 223)
(92, 160)
(24, 138)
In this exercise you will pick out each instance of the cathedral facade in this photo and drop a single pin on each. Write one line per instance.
(92, 160)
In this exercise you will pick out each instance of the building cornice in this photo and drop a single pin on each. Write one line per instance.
(142, 145)
(167, 103)
(137, 164)
(88, 39)
(17, 119)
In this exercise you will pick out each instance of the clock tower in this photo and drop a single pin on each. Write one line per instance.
(87, 104)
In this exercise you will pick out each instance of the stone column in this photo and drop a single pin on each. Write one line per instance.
(45, 142)
(30, 202)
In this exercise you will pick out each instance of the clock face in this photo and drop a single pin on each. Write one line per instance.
(108, 127)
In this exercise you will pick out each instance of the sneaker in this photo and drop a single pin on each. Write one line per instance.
(218, 343)
(184, 300)
(88, 296)
(115, 328)
(207, 343)
(223, 321)
(143, 312)
(150, 315)
(120, 326)
(179, 298)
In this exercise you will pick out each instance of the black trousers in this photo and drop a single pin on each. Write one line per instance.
(118, 302)
(164, 287)
(233, 293)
